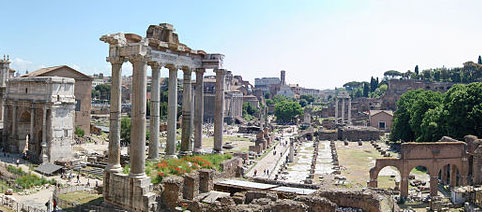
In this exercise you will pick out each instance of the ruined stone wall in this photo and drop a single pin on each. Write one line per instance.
(397, 87)
(230, 168)
(367, 201)
(356, 134)
(328, 135)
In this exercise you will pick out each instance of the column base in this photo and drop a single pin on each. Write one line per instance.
(141, 175)
(198, 151)
(215, 151)
(114, 168)
(153, 159)
(170, 157)
(184, 153)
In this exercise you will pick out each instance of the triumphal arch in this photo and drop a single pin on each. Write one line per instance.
(432, 155)
(160, 48)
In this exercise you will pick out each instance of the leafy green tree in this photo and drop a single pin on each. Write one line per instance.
(269, 102)
(392, 74)
(309, 98)
(366, 89)
(424, 101)
(433, 126)
(125, 130)
(401, 128)
(427, 75)
(104, 91)
(379, 91)
(286, 111)
(349, 86)
(303, 102)
(464, 110)
(249, 109)
(267, 95)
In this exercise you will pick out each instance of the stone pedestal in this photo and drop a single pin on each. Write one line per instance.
(191, 186)
(134, 194)
(206, 180)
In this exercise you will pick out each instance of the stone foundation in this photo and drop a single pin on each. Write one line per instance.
(206, 180)
(134, 194)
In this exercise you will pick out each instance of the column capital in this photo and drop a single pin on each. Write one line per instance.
(221, 71)
(186, 70)
(172, 67)
(138, 58)
(200, 70)
(116, 60)
(155, 64)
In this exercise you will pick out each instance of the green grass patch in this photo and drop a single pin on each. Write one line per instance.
(28, 180)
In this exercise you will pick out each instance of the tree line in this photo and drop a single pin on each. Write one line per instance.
(470, 72)
(372, 89)
(426, 116)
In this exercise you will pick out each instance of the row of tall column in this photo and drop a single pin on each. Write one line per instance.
(342, 110)
(138, 123)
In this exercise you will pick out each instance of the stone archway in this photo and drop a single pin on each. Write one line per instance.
(432, 155)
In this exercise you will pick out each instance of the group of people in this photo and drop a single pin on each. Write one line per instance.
(265, 172)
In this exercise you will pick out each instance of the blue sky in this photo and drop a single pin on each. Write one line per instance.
(321, 44)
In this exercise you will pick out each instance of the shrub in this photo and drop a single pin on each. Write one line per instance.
(79, 132)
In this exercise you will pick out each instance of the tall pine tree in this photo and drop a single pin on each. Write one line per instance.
(416, 69)
(480, 60)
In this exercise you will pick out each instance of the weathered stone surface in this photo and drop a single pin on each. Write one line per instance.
(191, 186)
(317, 203)
(49, 122)
(172, 194)
(206, 180)
(287, 205)
(252, 195)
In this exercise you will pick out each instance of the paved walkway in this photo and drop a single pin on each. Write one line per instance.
(270, 161)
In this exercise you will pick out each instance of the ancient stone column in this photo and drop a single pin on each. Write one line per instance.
(343, 110)
(444, 174)
(14, 120)
(186, 144)
(43, 155)
(199, 110)
(138, 126)
(115, 115)
(453, 176)
(171, 113)
(292, 152)
(155, 110)
(349, 110)
(219, 110)
(32, 120)
(336, 110)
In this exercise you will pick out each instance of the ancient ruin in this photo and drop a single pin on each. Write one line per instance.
(343, 95)
(39, 118)
(160, 48)
(435, 156)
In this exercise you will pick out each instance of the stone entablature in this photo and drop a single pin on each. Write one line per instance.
(39, 118)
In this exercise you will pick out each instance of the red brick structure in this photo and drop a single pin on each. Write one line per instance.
(432, 155)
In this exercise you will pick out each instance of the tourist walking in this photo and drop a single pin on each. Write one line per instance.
(78, 178)
(55, 205)
(255, 172)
